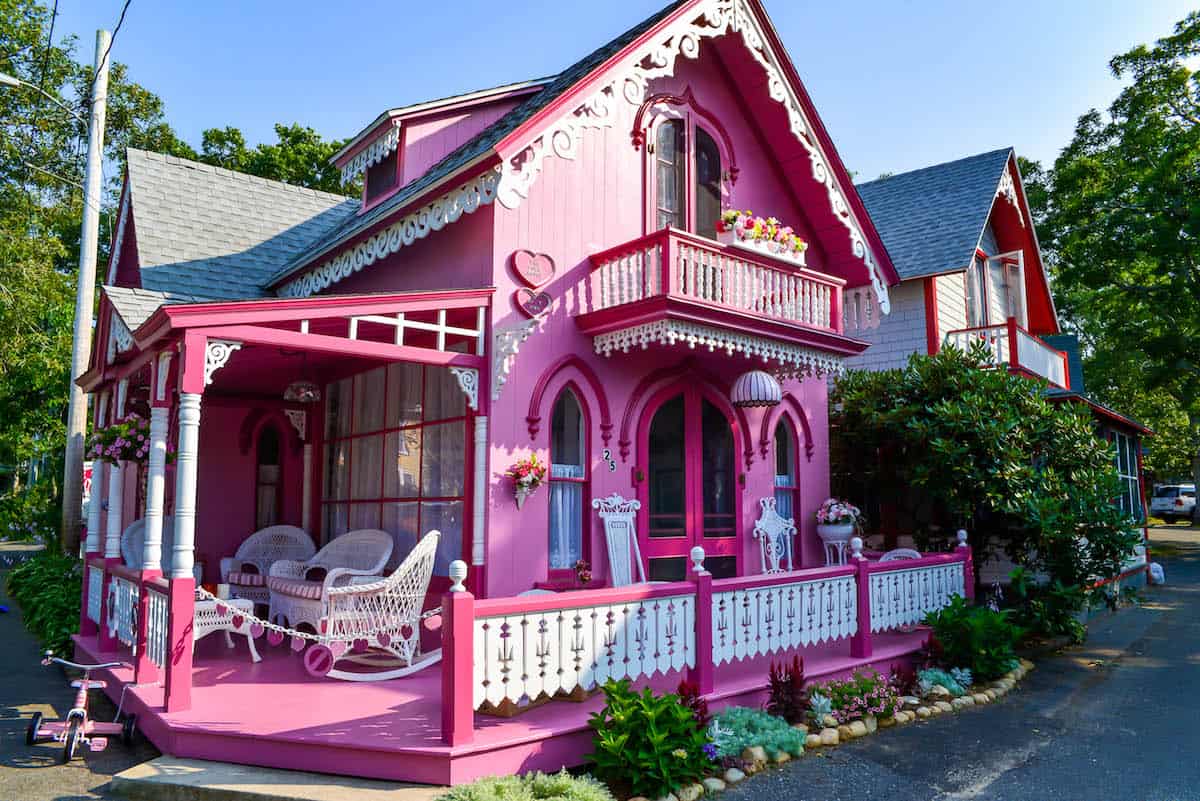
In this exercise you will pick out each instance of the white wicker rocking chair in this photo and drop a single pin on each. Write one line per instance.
(300, 590)
(246, 571)
(377, 625)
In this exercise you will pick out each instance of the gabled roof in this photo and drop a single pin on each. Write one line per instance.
(931, 219)
(477, 147)
(212, 233)
(134, 306)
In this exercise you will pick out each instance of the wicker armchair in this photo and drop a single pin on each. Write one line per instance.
(299, 591)
(246, 571)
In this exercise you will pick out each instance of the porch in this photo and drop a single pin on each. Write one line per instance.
(1018, 350)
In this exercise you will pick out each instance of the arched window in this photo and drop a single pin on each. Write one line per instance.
(687, 178)
(670, 158)
(708, 184)
(568, 482)
(787, 481)
(267, 493)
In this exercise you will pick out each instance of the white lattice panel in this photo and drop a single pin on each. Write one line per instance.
(122, 610)
(524, 655)
(904, 597)
(156, 628)
(95, 590)
(764, 620)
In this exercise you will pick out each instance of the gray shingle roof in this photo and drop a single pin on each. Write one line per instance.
(136, 305)
(215, 234)
(931, 219)
(481, 144)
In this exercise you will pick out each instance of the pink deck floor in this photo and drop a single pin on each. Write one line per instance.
(275, 715)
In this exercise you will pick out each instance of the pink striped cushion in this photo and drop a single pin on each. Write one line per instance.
(297, 588)
(247, 579)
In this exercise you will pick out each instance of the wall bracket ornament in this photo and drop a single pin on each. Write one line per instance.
(120, 338)
(216, 355)
(299, 420)
(468, 382)
(506, 343)
(1008, 190)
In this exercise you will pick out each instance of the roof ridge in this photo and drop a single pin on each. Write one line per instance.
(224, 172)
(937, 166)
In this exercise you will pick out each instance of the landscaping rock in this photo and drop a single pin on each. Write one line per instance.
(714, 785)
(968, 700)
(781, 757)
(910, 701)
(755, 755)
(844, 733)
(887, 723)
(812, 741)
(858, 729)
(669, 797)
(981, 698)
(733, 776)
(829, 737)
(943, 706)
(691, 792)
(800, 727)
(938, 691)
(992, 695)
(924, 712)
(959, 703)
(902, 717)
(1025, 663)
(871, 723)
(639, 798)
(829, 722)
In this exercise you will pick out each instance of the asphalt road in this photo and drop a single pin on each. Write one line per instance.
(1115, 719)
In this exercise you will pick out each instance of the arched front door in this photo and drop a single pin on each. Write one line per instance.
(689, 491)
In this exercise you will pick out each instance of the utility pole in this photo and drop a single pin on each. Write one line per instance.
(84, 301)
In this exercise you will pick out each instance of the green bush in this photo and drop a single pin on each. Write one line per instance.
(560, 786)
(650, 743)
(864, 693)
(1046, 610)
(48, 588)
(975, 637)
(739, 727)
(31, 514)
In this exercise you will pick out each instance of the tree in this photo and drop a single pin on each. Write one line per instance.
(955, 444)
(300, 156)
(1120, 226)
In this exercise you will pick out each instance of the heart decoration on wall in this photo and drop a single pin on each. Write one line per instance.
(534, 304)
(534, 269)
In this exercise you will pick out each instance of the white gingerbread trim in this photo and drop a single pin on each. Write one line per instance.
(161, 371)
(506, 343)
(216, 354)
(480, 191)
(299, 420)
(468, 382)
(793, 360)
(380, 148)
(120, 338)
(1008, 190)
(709, 20)
(115, 245)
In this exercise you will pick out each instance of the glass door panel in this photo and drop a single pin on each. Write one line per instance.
(717, 470)
(667, 473)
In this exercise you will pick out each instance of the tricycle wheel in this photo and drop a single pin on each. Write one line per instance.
(128, 729)
(72, 741)
(31, 734)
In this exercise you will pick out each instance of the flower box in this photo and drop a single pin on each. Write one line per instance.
(763, 236)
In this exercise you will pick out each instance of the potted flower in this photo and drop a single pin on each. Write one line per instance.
(527, 475)
(127, 440)
(837, 520)
(766, 235)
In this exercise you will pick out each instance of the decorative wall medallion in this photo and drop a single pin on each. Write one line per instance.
(534, 304)
(535, 269)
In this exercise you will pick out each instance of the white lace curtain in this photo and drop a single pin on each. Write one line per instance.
(566, 517)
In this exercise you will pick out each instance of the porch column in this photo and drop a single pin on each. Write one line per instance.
(112, 549)
(458, 646)
(183, 586)
(702, 675)
(860, 643)
(94, 546)
(968, 566)
(144, 669)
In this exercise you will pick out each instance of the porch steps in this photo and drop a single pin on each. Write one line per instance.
(169, 778)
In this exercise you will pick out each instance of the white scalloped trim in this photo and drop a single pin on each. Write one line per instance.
(1008, 191)
(372, 154)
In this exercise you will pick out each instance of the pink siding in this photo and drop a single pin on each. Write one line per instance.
(428, 140)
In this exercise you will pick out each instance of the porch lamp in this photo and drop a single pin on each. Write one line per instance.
(756, 388)
(302, 390)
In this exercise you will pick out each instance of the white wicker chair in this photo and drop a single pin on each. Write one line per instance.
(620, 532)
(133, 544)
(299, 591)
(382, 617)
(900, 553)
(774, 534)
(246, 571)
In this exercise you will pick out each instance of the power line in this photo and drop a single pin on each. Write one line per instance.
(107, 50)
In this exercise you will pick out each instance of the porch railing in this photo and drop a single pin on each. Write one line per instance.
(674, 264)
(95, 577)
(157, 632)
(502, 654)
(123, 604)
(1013, 346)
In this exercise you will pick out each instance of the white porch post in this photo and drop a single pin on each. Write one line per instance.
(116, 497)
(185, 485)
(479, 494)
(155, 489)
(95, 507)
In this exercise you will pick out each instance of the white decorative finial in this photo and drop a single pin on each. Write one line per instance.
(962, 538)
(856, 546)
(698, 559)
(458, 572)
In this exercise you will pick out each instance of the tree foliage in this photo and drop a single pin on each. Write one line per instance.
(1119, 218)
(954, 444)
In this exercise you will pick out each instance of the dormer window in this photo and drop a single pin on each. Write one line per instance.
(382, 177)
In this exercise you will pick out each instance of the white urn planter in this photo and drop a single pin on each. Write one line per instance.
(834, 539)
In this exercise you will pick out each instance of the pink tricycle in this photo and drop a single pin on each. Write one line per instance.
(78, 727)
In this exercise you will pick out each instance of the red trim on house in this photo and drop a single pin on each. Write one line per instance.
(789, 408)
(1104, 412)
(571, 361)
(566, 575)
(932, 343)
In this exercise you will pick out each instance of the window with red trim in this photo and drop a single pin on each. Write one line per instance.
(395, 450)
(687, 174)
(569, 490)
(787, 472)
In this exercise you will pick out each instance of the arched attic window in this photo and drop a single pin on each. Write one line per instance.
(568, 483)
(687, 177)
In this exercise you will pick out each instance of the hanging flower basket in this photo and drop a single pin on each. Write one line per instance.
(127, 440)
(765, 235)
(527, 475)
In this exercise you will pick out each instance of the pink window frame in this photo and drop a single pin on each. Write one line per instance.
(559, 576)
(785, 420)
(693, 117)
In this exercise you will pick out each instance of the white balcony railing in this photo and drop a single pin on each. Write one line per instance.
(1013, 346)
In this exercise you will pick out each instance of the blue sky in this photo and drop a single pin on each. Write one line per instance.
(900, 85)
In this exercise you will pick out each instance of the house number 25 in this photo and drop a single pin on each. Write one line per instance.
(611, 462)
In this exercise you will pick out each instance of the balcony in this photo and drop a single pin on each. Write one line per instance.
(672, 287)
(1014, 347)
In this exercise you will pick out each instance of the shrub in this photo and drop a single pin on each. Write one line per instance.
(689, 696)
(738, 727)
(30, 514)
(788, 699)
(560, 786)
(1046, 610)
(975, 637)
(48, 588)
(864, 693)
(646, 741)
(928, 677)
